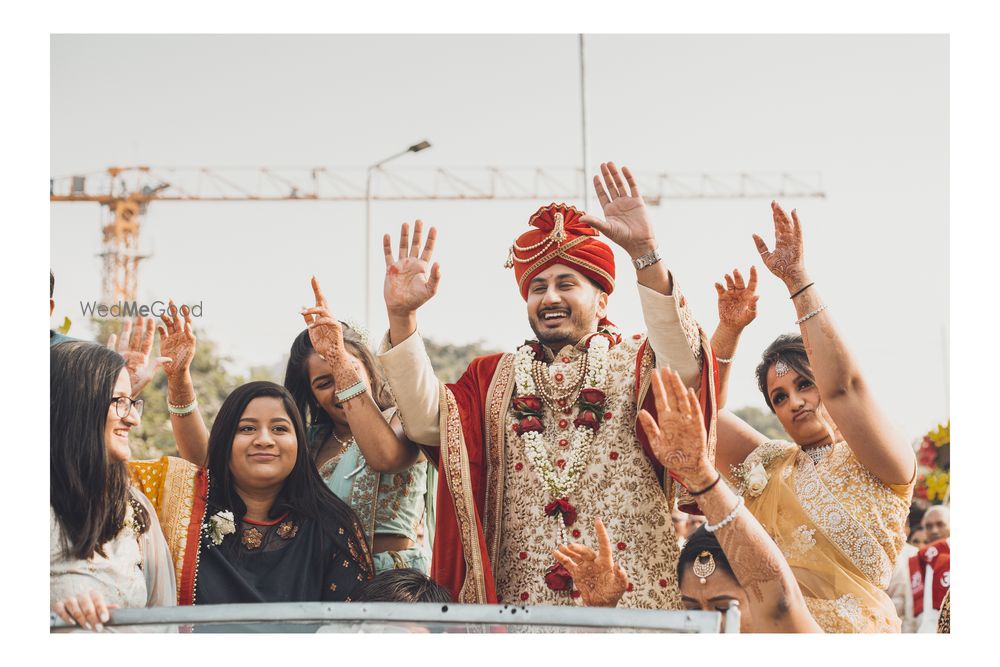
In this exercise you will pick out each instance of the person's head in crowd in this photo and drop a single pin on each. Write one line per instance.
(565, 274)
(309, 378)
(706, 580)
(52, 292)
(91, 413)
(680, 520)
(937, 523)
(402, 585)
(918, 538)
(786, 380)
(915, 518)
(258, 446)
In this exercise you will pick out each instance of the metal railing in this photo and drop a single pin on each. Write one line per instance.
(412, 617)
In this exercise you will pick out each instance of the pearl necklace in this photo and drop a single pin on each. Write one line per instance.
(817, 454)
(536, 446)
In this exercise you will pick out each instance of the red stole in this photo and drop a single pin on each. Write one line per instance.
(938, 556)
(470, 461)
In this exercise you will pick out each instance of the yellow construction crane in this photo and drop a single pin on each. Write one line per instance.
(124, 193)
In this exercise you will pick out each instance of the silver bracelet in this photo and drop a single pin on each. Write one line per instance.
(812, 314)
(724, 361)
(725, 522)
(643, 261)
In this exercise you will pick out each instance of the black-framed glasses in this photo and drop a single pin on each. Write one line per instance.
(124, 405)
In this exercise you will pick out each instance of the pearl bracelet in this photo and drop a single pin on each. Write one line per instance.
(810, 315)
(725, 522)
(724, 361)
(181, 410)
(354, 390)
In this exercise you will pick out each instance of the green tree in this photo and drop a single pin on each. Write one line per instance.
(762, 420)
(450, 361)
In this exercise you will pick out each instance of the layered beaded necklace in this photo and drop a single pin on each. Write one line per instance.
(586, 389)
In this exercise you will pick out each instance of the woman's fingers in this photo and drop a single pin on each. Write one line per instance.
(659, 393)
(649, 426)
(730, 283)
(761, 246)
(567, 562)
(603, 541)
(59, 609)
(752, 285)
(582, 552)
(148, 334)
(738, 279)
(176, 315)
(112, 342)
(123, 339)
(720, 289)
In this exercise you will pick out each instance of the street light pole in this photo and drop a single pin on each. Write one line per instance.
(415, 148)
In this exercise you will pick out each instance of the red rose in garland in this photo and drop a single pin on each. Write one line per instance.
(528, 405)
(562, 506)
(558, 578)
(588, 419)
(529, 425)
(592, 396)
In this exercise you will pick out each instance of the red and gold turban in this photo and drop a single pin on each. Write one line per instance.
(558, 237)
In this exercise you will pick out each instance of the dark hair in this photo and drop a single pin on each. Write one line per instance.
(88, 494)
(303, 492)
(701, 540)
(916, 516)
(52, 284)
(401, 585)
(297, 379)
(790, 349)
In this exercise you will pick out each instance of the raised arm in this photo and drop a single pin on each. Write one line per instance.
(136, 345)
(177, 340)
(737, 309)
(385, 449)
(627, 224)
(410, 282)
(841, 386)
(679, 441)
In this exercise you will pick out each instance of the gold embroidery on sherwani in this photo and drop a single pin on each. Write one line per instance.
(497, 399)
(619, 485)
(455, 464)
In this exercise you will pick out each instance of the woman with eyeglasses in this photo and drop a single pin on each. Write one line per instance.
(107, 549)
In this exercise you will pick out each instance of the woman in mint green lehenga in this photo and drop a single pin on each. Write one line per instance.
(394, 499)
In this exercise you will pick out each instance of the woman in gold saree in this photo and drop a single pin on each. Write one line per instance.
(836, 499)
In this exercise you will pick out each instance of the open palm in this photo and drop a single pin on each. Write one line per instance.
(410, 279)
(738, 300)
(626, 222)
(177, 341)
(136, 345)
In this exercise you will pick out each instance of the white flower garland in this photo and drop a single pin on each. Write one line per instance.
(562, 483)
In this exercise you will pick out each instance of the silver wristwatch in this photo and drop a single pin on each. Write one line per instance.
(646, 260)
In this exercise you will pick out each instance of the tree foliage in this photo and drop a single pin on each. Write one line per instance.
(762, 420)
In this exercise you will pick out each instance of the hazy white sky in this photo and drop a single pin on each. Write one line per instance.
(869, 112)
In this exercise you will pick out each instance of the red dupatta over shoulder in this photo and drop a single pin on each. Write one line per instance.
(471, 462)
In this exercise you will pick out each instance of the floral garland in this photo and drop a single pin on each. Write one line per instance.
(562, 477)
(934, 465)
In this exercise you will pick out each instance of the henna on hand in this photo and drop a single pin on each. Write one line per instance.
(178, 342)
(786, 260)
(737, 301)
(677, 435)
(599, 579)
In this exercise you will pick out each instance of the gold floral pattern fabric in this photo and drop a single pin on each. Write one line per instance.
(839, 527)
(619, 486)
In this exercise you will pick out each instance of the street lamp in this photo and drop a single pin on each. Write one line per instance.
(415, 148)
